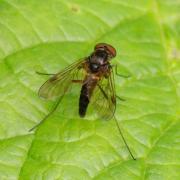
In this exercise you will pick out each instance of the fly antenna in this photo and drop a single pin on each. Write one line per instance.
(120, 132)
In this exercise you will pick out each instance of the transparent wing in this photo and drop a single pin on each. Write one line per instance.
(103, 100)
(61, 82)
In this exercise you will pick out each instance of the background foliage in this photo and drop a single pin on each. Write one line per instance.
(49, 35)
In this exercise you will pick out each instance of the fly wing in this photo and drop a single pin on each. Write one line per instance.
(60, 83)
(103, 100)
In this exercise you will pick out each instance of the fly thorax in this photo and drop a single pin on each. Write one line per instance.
(94, 67)
(97, 59)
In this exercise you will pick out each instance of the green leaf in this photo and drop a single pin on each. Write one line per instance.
(49, 35)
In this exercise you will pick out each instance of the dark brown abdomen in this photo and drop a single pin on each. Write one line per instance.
(86, 92)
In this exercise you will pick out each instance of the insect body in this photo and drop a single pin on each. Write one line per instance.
(95, 75)
(97, 67)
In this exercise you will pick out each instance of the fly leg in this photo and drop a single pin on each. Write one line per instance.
(102, 90)
(123, 138)
(105, 95)
(73, 81)
(77, 81)
(54, 108)
(117, 124)
(41, 73)
(51, 112)
(121, 99)
(120, 75)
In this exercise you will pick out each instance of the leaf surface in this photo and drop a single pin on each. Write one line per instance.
(49, 35)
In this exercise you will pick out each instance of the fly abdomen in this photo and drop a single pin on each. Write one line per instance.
(83, 100)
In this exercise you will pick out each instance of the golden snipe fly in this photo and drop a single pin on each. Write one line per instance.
(95, 75)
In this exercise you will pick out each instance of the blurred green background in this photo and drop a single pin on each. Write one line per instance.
(49, 35)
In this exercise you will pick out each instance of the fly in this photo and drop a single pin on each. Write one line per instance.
(95, 75)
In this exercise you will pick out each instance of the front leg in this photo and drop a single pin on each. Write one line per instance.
(41, 73)
(120, 75)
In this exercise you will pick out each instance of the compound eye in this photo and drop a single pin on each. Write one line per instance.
(107, 47)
